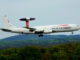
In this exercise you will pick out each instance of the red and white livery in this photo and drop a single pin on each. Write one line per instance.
(39, 30)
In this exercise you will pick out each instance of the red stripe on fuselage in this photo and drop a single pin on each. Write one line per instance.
(63, 25)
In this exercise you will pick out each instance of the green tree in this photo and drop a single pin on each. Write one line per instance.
(14, 57)
(30, 53)
(76, 52)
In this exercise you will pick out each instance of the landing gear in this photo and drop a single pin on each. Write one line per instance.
(72, 33)
(40, 35)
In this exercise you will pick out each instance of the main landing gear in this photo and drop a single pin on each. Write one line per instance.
(40, 35)
(72, 33)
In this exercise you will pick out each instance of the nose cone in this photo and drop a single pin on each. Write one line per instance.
(79, 27)
(73, 25)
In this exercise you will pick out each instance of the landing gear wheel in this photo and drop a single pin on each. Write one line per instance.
(72, 32)
(40, 35)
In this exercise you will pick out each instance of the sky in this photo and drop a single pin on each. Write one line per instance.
(46, 12)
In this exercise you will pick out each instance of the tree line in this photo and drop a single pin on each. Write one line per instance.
(68, 51)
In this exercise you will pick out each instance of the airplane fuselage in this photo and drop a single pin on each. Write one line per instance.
(48, 29)
(40, 30)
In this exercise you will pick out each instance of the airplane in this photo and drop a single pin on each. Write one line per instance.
(39, 30)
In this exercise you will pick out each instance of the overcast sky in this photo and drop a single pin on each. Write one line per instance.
(46, 12)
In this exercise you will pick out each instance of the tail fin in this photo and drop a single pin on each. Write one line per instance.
(7, 24)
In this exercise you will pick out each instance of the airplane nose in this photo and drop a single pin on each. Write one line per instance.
(79, 27)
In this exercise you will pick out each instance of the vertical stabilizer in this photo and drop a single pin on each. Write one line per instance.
(7, 23)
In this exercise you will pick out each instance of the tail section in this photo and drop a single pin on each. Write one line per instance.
(7, 23)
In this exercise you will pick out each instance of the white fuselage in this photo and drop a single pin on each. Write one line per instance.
(38, 29)
(48, 29)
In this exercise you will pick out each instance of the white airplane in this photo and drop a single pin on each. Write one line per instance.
(39, 30)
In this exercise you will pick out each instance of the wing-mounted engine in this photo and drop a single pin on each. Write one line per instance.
(39, 31)
(46, 31)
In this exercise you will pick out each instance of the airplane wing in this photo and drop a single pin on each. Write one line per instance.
(3, 29)
(37, 31)
(31, 29)
(0, 28)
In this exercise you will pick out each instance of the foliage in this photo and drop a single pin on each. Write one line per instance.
(68, 51)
